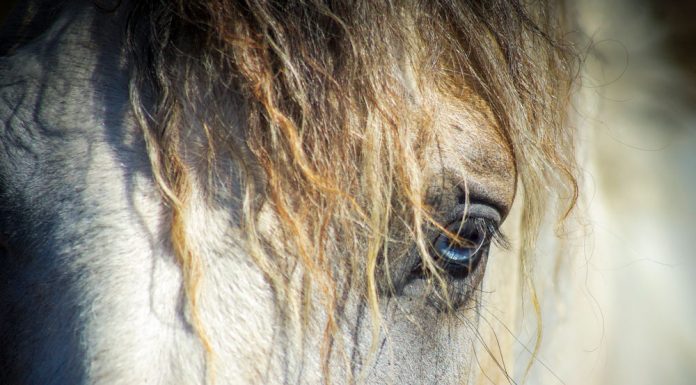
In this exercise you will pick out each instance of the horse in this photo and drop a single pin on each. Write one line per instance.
(301, 192)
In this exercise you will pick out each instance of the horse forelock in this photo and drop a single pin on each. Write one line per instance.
(327, 109)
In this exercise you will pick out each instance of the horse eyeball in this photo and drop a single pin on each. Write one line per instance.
(466, 241)
(459, 257)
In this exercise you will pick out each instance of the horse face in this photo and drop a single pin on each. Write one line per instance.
(91, 291)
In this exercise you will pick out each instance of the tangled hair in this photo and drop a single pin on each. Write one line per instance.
(311, 101)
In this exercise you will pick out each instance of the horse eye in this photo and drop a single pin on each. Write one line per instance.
(460, 256)
(459, 251)
(457, 256)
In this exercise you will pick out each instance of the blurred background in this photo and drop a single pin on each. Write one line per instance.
(643, 164)
(624, 311)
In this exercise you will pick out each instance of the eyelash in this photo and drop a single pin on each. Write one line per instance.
(490, 229)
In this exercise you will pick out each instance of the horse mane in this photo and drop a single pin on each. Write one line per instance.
(310, 100)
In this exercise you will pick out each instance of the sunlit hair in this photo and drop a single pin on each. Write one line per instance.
(309, 102)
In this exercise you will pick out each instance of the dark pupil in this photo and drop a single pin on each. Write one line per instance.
(459, 258)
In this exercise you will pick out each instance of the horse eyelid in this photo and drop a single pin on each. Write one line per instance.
(488, 228)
